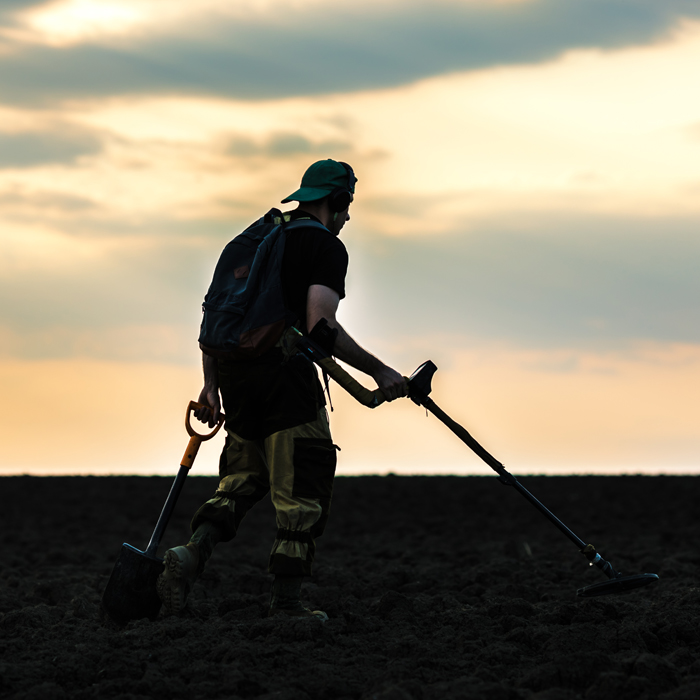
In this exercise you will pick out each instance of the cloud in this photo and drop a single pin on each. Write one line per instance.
(282, 145)
(268, 55)
(9, 8)
(546, 281)
(17, 203)
(50, 280)
(543, 282)
(31, 148)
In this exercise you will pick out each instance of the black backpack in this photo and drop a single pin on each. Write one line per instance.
(244, 311)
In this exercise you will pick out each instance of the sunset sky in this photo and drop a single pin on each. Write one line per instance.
(527, 216)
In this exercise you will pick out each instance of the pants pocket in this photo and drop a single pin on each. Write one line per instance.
(314, 467)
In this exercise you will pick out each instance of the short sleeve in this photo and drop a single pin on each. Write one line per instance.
(330, 265)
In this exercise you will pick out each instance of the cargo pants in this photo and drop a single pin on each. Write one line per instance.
(296, 465)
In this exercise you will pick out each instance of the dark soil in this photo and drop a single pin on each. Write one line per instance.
(436, 588)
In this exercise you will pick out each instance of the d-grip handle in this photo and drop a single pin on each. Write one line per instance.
(196, 439)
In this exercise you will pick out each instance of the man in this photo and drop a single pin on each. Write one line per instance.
(278, 438)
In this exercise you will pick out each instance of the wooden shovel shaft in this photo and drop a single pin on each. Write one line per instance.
(185, 465)
(167, 511)
(191, 451)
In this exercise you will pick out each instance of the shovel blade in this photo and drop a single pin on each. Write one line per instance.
(131, 590)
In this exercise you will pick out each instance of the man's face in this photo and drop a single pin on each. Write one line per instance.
(343, 216)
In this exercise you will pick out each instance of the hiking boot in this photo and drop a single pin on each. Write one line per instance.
(285, 599)
(179, 574)
(299, 612)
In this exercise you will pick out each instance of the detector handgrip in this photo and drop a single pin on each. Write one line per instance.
(369, 398)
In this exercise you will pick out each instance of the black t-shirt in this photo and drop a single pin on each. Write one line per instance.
(311, 256)
(266, 394)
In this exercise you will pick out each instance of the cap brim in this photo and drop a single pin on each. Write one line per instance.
(307, 194)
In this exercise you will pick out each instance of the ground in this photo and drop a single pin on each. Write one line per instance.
(436, 588)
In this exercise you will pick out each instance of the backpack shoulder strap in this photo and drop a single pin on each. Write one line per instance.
(274, 216)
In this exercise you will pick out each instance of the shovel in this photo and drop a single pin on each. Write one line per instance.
(131, 590)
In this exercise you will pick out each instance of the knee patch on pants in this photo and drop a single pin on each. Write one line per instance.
(315, 461)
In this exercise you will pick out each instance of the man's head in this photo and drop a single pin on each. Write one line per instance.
(327, 186)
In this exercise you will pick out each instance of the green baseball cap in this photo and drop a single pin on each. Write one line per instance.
(321, 179)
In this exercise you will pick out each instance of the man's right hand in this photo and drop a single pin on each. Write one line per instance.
(209, 397)
(391, 383)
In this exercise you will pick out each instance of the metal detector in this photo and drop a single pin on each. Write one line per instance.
(419, 388)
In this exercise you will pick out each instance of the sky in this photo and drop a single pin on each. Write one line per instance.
(526, 217)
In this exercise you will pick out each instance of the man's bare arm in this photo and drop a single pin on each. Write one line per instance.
(209, 396)
(322, 302)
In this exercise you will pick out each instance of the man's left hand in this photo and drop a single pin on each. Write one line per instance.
(209, 397)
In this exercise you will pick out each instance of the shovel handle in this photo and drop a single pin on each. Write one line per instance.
(193, 406)
(196, 439)
(185, 465)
